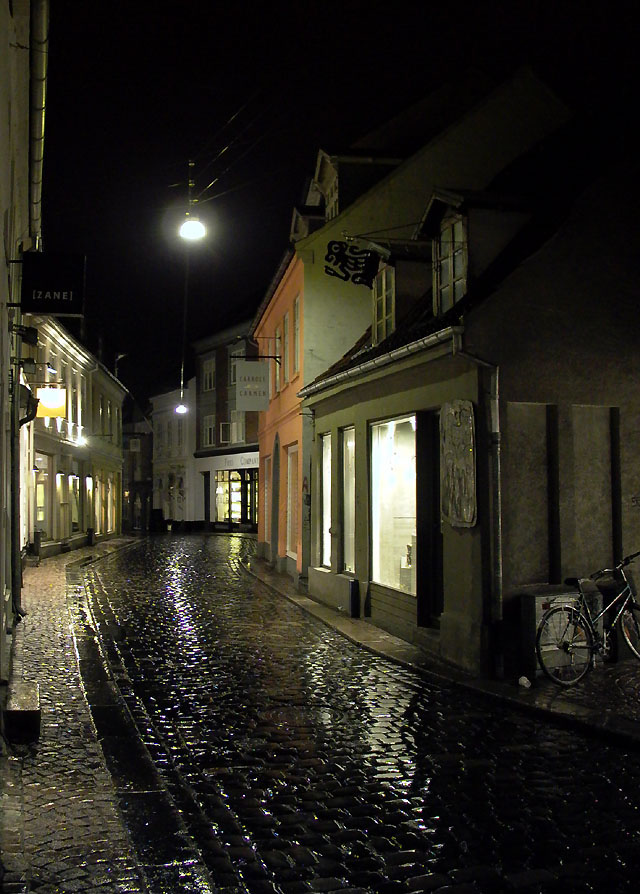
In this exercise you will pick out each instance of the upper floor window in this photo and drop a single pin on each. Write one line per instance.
(279, 357)
(331, 200)
(383, 304)
(271, 363)
(285, 357)
(237, 426)
(234, 355)
(296, 335)
(450, 264)
(169, 435)
(180, 432)
(209, 374)
(208, 430)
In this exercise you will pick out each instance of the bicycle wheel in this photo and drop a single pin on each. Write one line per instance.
(630, 624)
(564, 645)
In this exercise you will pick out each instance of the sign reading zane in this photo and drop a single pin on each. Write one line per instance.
(52, 284)
(252, 385)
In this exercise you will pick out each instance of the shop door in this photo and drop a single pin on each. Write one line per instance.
(430, 589)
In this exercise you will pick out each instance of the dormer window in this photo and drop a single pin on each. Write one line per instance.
(331, 199)
(384, 316)
(450, 264)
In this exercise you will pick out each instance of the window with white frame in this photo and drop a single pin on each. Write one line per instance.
(209, 430)
(292, 501)
(235, 354)
(271, 363)
(383, 304)
(296, 335)
(450, 264)
(325, 549)
(278, 362)
(237, 426)
(393, 503)
(348, 499)
(209, 374)
(285, 351)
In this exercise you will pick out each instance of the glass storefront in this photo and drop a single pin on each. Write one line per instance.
(348, 500)
(326, 501)
(42, 472)
(236, 496)
(393, 503)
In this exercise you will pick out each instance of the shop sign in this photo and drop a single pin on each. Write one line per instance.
(52, 284)
(252, 385)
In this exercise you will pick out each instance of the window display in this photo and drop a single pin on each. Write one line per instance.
(393, 503)
(348, 500)
(326, 501)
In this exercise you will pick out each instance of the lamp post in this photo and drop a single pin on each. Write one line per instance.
(191, 230)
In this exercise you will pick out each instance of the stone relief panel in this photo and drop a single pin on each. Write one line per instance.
(458, 464)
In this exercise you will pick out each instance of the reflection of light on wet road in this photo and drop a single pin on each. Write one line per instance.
(177, 582)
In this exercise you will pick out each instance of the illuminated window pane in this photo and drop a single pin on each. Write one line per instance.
(348, 500)
(393, 503)
(326, 501)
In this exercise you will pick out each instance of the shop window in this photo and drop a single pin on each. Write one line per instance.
(267, 500)
(42, 472)
(326, 501)
(393, 503)
(348, 500)
(292, 502)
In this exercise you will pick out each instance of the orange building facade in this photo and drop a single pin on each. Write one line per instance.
(283, 436)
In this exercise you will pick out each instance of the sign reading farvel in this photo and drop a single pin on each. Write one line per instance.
(52, 284)
(252, 385)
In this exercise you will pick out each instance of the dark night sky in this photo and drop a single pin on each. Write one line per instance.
(136, 89)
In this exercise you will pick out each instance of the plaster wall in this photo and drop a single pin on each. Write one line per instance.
(422, 383)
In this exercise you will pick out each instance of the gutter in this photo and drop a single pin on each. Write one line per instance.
(39, 53)
(451, 333)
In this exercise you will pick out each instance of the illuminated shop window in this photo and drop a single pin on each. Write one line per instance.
(292, 502)
(348, 499)
(326, 501)
(393, 503)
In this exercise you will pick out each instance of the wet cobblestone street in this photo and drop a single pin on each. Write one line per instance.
(302, 762)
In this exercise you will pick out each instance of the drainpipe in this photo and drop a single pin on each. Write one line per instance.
(39, 43)
(493, 421)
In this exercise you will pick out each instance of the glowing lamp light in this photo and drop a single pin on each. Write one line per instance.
(181, 409)
(192, 229)
(51, 402)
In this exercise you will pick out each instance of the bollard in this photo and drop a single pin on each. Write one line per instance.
(354, 599)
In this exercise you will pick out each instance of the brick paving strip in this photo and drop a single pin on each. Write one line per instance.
(61, 827)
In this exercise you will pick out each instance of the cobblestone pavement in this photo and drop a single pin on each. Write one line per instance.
(236, 744)
(313, 764)
(61, 828)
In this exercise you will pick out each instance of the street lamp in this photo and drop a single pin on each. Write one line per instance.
(191, 230)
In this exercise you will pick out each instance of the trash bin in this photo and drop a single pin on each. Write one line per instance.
(91, 536)
(37, 543)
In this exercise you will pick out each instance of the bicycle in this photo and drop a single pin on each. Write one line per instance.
(567, 638)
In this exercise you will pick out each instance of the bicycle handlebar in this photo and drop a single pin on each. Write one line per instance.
(622, 564)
